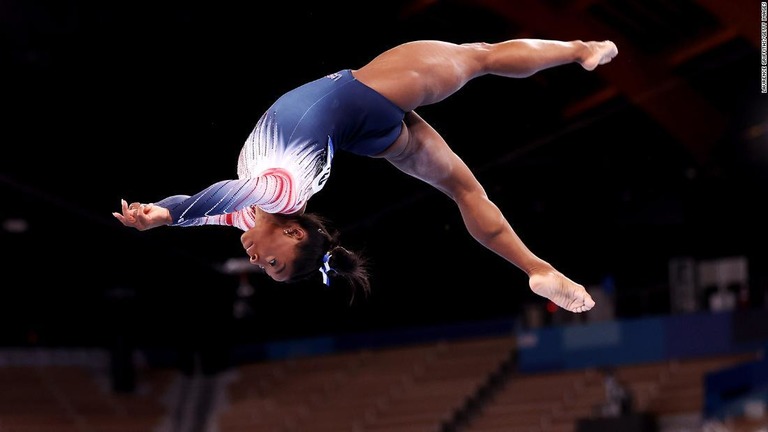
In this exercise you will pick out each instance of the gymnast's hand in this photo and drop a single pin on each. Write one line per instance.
(143, 216)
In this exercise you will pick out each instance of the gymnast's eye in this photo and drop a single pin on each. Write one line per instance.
(272, 262)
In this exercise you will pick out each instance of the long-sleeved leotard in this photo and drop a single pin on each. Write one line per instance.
(287, 157)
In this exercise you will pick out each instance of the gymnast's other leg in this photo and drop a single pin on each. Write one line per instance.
(425, 72)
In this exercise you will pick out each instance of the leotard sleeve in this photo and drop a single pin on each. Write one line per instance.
(229, 202)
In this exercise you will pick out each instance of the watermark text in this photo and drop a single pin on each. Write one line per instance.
(764, 47)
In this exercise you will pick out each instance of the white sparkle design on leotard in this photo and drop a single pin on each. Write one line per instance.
(267, 148)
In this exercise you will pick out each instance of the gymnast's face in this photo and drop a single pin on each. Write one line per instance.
(272, 248)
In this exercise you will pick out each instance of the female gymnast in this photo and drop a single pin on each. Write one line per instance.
(369, 112)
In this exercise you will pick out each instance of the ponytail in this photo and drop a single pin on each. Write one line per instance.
(348, 265)
(321, 256)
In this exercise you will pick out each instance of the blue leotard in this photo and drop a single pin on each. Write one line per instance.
(287, 157)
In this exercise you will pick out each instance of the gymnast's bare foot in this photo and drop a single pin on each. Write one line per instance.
(599, 53)
(562, 291)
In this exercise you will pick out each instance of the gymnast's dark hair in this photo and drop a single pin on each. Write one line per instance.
(322, 240)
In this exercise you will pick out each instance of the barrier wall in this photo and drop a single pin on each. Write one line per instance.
(642, 340)
(565, 347)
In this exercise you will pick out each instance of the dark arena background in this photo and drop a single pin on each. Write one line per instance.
(645, 180)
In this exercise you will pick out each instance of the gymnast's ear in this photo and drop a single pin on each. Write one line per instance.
(294, 232)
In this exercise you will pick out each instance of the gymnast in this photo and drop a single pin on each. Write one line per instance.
(370, 112)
